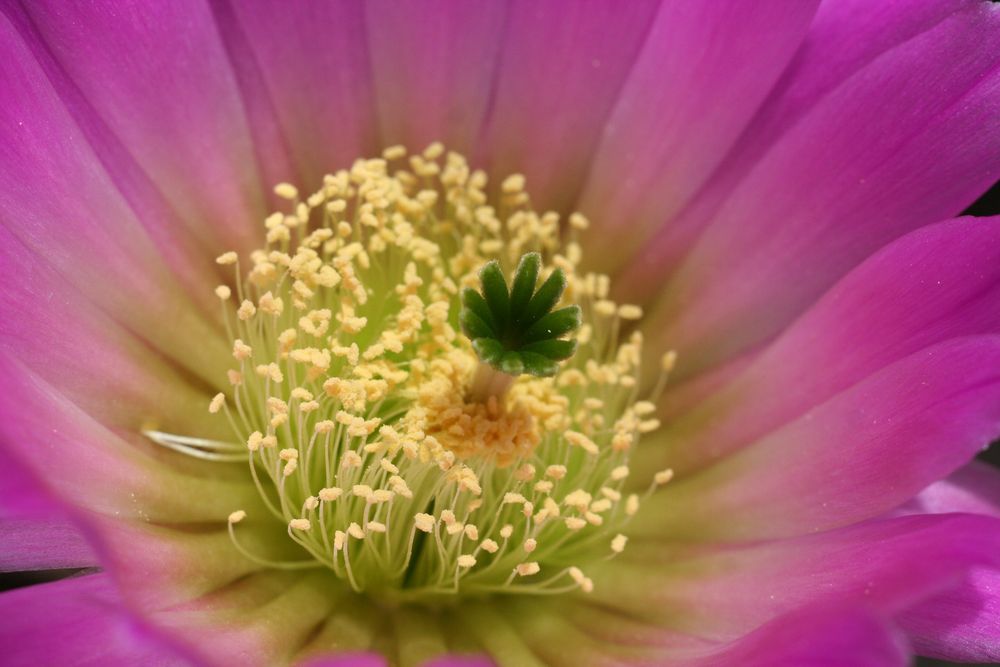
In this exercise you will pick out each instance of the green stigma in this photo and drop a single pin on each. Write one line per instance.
(515, 330)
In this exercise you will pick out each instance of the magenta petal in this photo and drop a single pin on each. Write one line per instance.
(103, 366)
(305, 73)
(918, 291)
(723, 590)
(908, 138)
(151, 88)
(59, 206)
(432, 68)
(85, 462)
(42, 544)
(962, 624)
(561, 68)
(861, 453)
(974, 489)
(35, 531)
(702, 73)
(838, 636)
(79, 621)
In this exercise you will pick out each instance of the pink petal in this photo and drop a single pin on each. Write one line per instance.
(974, 489)
(35, 531)
(936, 283)
(42, 544)
(861, 453)
(702, 73)
(95, 468)
(838, 636)
(58, 203)
(561, 68)
(840, 28)
(723, 590)
(95, 360)
(152, 90)
(905, 138)
(962, 624)
(304, 70)
(79, 621)
(432, 67)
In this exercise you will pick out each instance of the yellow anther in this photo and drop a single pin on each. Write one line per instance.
(583, 442)
(619, 473)
(605, 308)
(330, 494)
(216, 403)
(611, 494)
(602, 505)
(525, 473)
(299, 524)
(555, 471)
(241, 350)
(513, 184)
(270, 304)
(254, 441)
(585, 583)
(394, 152)
(630, 312)
(528, 569)
(513, 498)
(246, 310)
(668, 361)
(663, 477)
(544, 486)
(424, 522)
(382, 495)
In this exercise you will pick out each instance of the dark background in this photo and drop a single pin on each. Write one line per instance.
(988, 204)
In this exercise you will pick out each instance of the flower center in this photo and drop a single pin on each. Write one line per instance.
(414, 432)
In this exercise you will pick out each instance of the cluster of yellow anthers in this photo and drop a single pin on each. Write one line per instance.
(350, 389)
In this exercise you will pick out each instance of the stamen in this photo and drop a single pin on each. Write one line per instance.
(411, 460)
